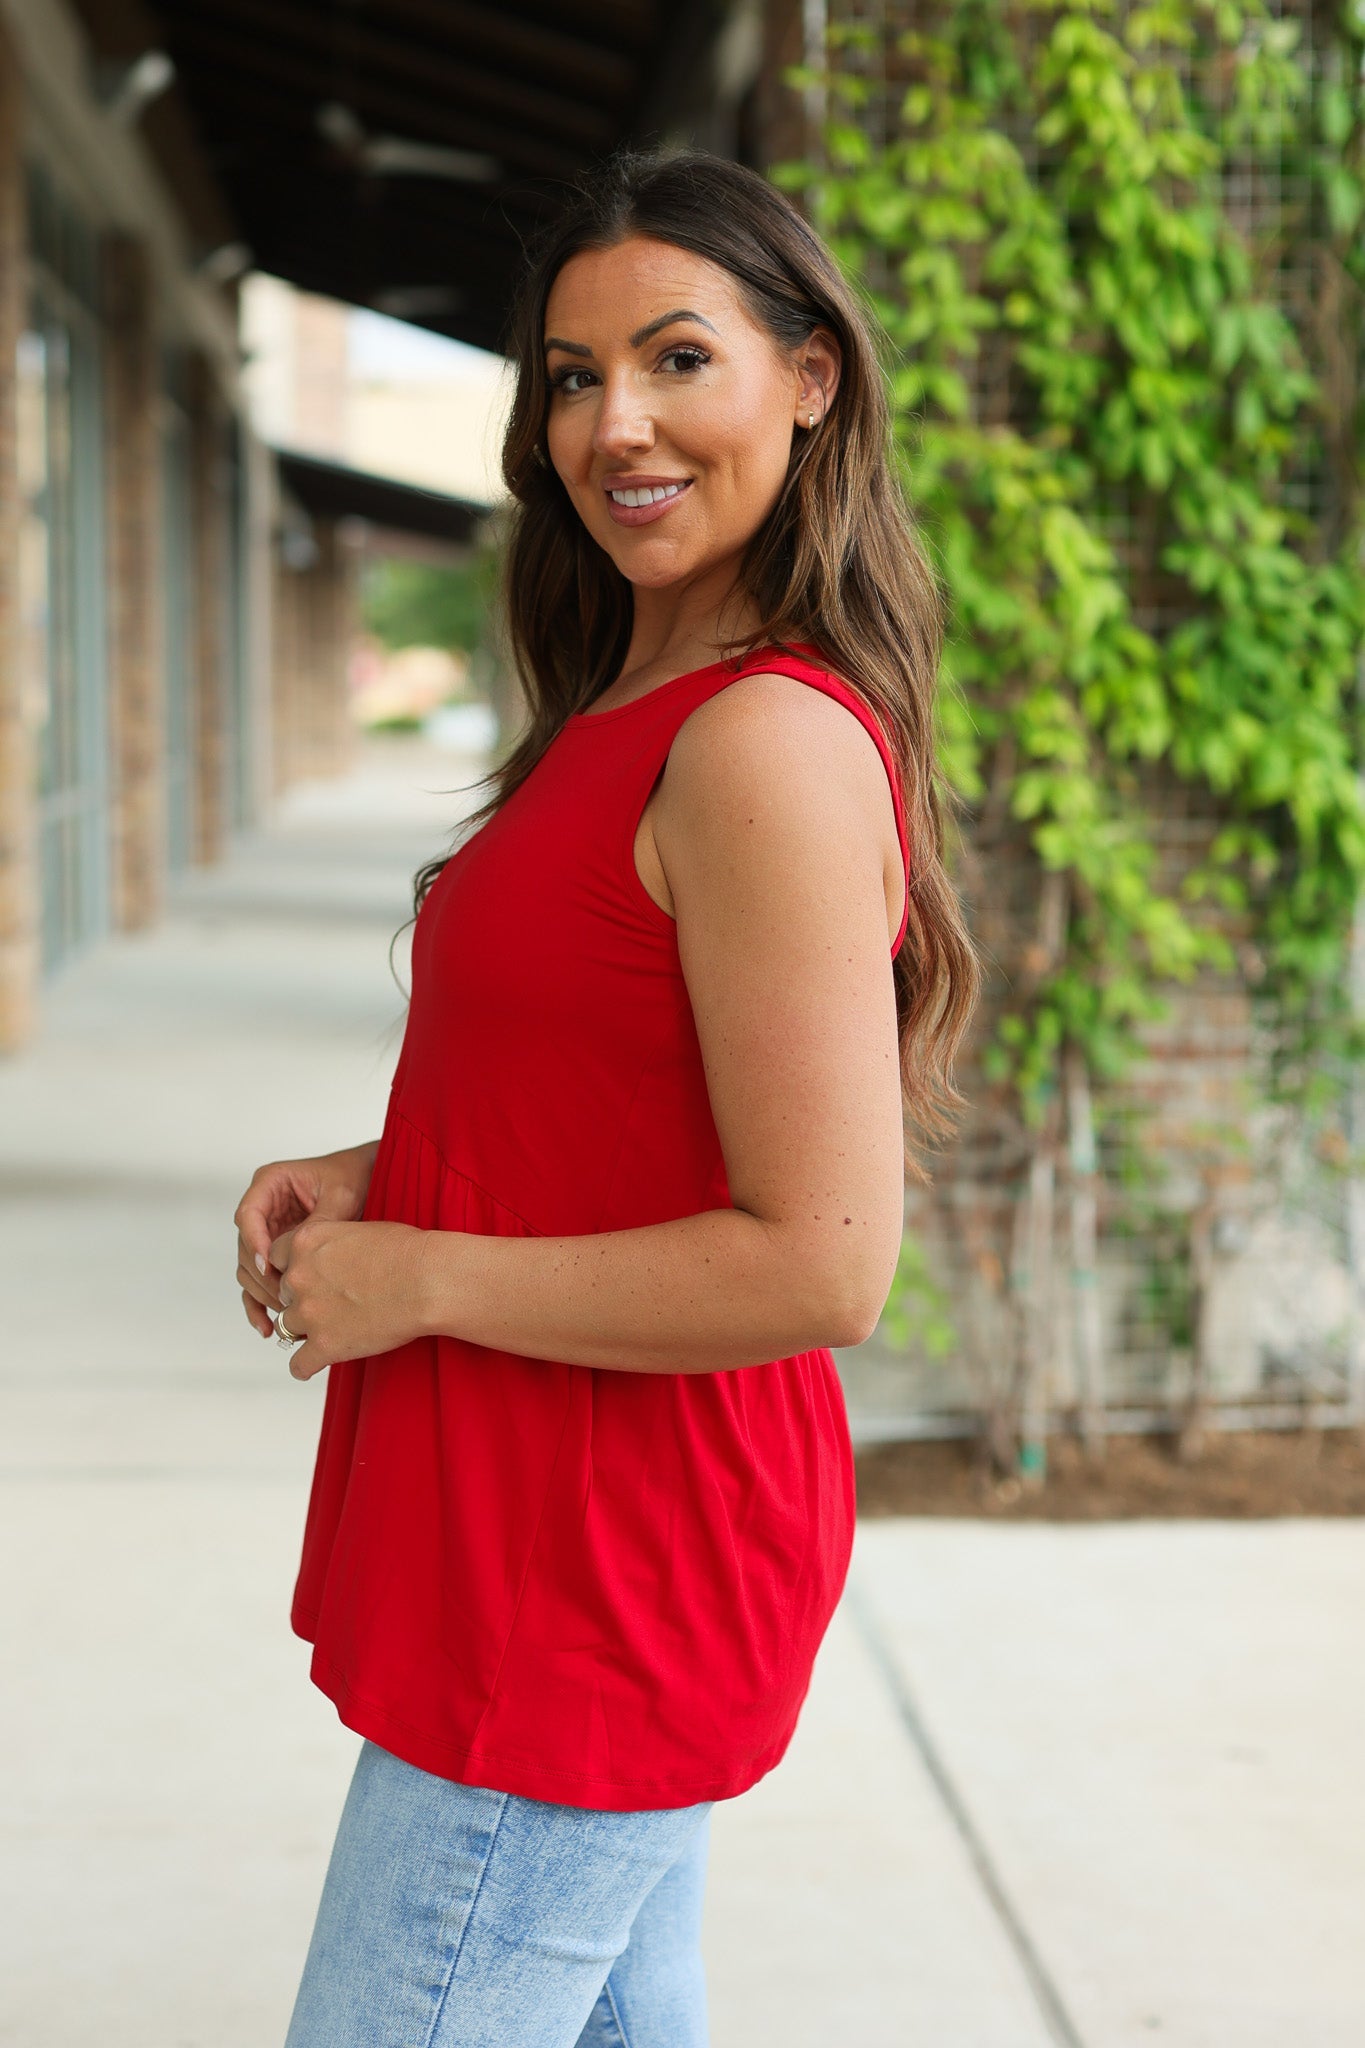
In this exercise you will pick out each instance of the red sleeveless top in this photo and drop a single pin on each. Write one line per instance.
(595, 1587)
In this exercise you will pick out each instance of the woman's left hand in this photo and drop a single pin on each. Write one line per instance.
(351, 1290)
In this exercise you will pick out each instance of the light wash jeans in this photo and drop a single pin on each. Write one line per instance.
(454, 1917)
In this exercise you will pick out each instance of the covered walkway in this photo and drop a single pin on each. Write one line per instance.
(1080, 1785)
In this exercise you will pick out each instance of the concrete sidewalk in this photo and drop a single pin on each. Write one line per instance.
(1082, 1785)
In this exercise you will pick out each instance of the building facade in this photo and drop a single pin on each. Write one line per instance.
(125, 738)
(175, 605)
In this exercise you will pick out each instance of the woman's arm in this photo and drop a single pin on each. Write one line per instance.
(777, 839)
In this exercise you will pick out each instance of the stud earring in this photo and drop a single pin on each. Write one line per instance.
(812, 419)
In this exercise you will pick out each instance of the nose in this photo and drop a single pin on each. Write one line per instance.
(623, 418)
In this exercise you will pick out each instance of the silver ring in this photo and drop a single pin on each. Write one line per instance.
(283, 1334)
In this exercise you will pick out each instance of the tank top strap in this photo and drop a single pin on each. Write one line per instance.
(663, 711)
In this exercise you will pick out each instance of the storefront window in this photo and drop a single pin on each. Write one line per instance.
(61, 573)
(177, 637)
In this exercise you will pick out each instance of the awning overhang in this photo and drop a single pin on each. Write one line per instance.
(332, 490)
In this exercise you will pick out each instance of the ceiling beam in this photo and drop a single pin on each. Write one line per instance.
(272, 156)
(479, 321)
(371, 265)
(308, 241)
(563, 60)
(341, 49)
(629, 23)
(371, 101)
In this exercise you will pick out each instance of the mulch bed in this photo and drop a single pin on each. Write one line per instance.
(1243, 1473)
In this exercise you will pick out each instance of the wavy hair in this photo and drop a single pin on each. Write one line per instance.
(836, 564)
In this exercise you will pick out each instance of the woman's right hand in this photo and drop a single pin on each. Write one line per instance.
(331, 1187)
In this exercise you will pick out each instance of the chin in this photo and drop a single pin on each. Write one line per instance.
(655, 577)
(652, 566)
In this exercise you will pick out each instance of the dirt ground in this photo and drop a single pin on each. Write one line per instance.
(1240, 1473)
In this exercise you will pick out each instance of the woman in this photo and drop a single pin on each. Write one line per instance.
(583, 1504)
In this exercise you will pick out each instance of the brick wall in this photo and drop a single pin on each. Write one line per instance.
(1221, 1276)
(312, 627)
(211, 509)
(780, 114)
(137, 721)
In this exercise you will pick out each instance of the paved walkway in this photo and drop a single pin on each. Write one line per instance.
(1098, 1786)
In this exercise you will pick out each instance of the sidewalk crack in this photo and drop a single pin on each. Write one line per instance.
(1046, 1995)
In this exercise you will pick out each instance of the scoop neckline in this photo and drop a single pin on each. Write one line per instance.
(582, 718)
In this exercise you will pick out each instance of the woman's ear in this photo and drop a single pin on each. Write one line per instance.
(818, 363)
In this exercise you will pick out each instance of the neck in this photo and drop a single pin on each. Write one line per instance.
(683, 625)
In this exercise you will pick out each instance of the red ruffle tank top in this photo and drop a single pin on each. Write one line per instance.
(595, 1587)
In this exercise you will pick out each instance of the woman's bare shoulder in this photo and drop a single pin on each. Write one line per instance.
(773, 733)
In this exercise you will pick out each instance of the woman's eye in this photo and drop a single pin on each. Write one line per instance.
(687, 359)
(562, 380)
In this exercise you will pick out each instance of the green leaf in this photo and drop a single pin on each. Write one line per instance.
(1345, 197)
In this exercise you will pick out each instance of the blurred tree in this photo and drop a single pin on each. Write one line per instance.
(408, 603)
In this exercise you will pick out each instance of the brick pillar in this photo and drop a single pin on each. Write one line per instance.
(137, 685)
(19, 950)
(336, 573)
(211, 508)
(313, 626)
(782, 115)
(285, 643)
(258, 624)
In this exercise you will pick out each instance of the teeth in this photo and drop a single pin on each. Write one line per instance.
(647, 496)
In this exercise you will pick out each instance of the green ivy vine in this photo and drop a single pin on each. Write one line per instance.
(1050, 205)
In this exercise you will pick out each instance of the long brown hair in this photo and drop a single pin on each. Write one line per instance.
(836, 565)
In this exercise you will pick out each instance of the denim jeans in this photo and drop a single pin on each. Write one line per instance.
(454, 1917)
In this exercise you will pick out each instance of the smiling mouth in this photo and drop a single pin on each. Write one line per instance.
(649, 494)
(642, 504)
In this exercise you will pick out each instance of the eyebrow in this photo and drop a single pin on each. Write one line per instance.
(644, 334)
(640, 336)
